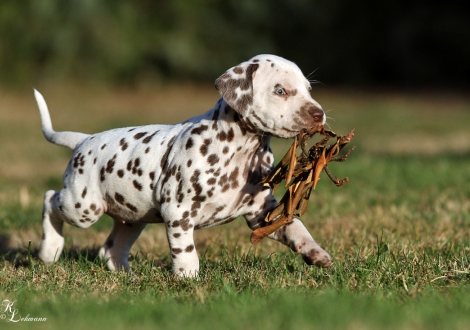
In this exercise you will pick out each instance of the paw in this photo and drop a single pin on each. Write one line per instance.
(113, 263)
(318, 257)
(46, 258)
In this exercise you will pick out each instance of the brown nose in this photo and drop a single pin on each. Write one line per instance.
(316, 113)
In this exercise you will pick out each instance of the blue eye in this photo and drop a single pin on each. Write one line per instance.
(281, 91)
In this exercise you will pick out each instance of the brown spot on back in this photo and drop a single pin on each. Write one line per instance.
(189, 143)
(110, 164)
(149, 138)
(163, 163)
(140, 135)
(123, 144)
(199, 130)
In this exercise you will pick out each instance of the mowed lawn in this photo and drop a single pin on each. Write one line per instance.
(398, 231)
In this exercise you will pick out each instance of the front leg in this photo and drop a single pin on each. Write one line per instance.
(294, 235)
(183, 252)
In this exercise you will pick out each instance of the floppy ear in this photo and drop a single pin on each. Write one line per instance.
(236, 86)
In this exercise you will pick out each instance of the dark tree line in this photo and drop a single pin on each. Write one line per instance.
(358, 43)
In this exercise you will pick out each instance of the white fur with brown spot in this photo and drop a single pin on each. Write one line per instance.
(193, 175)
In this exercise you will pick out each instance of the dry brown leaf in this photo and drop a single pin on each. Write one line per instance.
(305, 170)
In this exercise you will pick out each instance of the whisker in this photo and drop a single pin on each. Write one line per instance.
(328, 118)
(316, 82)
(312, 72)
(325, 111)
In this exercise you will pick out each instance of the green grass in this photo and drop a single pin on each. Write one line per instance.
(398, 232)
(245, 291)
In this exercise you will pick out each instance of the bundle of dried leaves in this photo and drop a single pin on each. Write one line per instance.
(304, 172)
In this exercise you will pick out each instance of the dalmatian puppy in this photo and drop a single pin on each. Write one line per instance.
(193, 175)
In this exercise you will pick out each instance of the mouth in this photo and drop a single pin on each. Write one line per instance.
(314, 129)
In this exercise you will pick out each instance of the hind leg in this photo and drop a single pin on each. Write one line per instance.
(68, 206)
(115, 251)
(52, 242)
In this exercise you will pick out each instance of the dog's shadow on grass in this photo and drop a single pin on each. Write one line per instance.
(16, 256)
(27, 256)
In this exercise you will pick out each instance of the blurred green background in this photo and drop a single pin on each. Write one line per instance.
(360, 43)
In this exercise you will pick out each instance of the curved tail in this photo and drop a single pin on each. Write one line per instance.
(66, 139)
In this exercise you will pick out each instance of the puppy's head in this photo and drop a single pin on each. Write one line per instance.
(272, 94)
